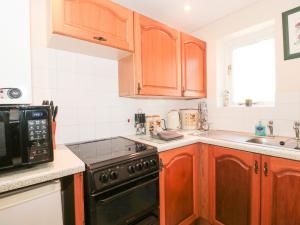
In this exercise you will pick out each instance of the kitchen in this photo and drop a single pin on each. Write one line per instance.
(99, 74)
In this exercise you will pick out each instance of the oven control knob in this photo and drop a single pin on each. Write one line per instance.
(139, 166)
(104, 178)
(153, 162)
(146, 164)
(113, 175)
(130, 169)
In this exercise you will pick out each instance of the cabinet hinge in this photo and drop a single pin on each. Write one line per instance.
(161, 165)
(139, 88)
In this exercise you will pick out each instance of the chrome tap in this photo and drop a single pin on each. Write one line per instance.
(297, 128)
(271, 128)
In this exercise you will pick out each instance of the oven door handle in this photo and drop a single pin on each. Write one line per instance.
(103, 201)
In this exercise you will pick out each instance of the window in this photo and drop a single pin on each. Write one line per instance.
(250, 65)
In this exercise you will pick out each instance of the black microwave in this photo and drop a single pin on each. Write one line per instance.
(25, 136)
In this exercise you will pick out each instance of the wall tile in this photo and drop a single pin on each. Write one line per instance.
(86, 90)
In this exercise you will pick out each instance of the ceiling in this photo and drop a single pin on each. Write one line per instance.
(172, 12)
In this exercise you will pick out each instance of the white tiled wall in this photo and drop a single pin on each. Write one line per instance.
(287, 102)
(285, 112)
(86, 90)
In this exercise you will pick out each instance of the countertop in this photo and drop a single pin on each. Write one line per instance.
(229, 139)
(65, 163)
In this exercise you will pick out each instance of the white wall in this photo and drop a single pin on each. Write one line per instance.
(287, 107)
(85, 88)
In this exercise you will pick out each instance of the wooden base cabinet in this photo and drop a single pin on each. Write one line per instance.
(234, 187)
(179, 185)
(280, 191)
(252, 189)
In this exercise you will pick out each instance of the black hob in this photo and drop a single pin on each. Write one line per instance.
(102, 152)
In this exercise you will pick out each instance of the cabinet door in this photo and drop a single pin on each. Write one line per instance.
(158, 58)
(193, 60)
(179, 197)
(99, 21)
(234, 186)
(280, 191)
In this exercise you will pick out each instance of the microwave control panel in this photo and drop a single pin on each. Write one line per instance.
(38, 135)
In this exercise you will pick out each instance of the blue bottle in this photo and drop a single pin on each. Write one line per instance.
(260, 129)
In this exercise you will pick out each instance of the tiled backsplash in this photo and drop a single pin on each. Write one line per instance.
(285, 112)
(86, 90)
(287, 102)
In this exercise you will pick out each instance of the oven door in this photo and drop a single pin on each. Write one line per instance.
(128, 204)
(5, 151)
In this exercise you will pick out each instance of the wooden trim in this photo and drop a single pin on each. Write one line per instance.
(204, 202)
(79, 199)
(138, 52)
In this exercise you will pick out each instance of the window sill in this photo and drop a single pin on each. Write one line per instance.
(249, 107)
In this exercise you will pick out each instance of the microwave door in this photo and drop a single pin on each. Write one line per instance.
(5, 151)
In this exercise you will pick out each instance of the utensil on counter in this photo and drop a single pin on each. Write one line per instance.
(54, 111)
(140, 123)
(52, 107)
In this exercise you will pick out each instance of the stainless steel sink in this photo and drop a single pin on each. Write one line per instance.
(263, 141)
(288, 143)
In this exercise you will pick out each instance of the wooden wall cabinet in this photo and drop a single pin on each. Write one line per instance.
(193, 61)
(99, 21)
(234, 187)
(179, 185)
(165, 63)
(155, 68)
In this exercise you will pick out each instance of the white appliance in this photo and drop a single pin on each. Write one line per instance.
(15, 57)
(189, 119)
(40, 205)
(173, 120)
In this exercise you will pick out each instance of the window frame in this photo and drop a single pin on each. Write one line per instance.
(244, 39)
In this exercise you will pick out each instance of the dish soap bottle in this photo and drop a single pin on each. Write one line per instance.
(260, 129)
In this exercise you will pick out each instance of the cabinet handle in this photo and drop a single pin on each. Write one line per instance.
(100, 38)
(266, 169)
(139, 88)
(256, 167)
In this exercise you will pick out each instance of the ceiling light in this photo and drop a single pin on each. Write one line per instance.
(187, 8)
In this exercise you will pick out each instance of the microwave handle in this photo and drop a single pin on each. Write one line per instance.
(103, 201)
(15, 144)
